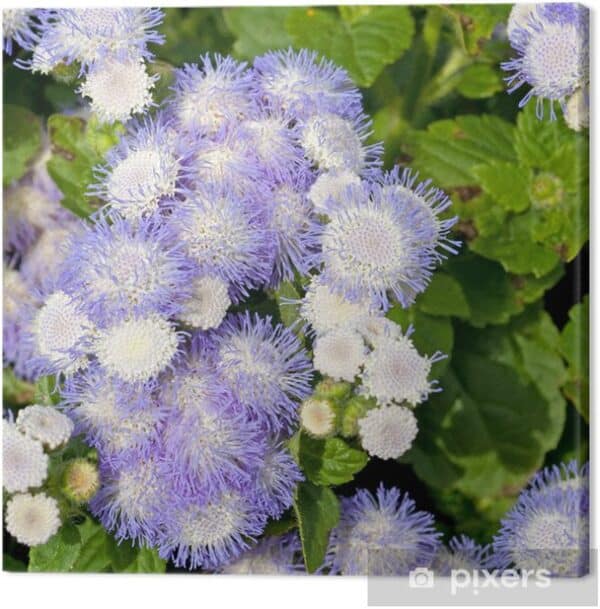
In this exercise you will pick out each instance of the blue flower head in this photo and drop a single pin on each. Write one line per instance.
(210, 444)
(132, 498)
(461, 553)
(277, 478)
(145, 169)
(209, 96)
(303, 85)
(266, 367)
(385, 240)
(210, 533)
(295, 227)
(549, 527)
(226, 236)
(382, 535)
(118, 267)
(90, 35)
(270, 556)
(552, 55)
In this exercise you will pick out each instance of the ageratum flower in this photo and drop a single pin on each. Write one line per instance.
(271, 556)
(327, 193)
(462, 553)
(211, 533)
(119, 267)
(396, 372)
(209, 96)
(144, 169)
(549, 526)
(118, 89)
(298, 83)
(381, 535)
(32, 519)
(18, 25)
(383, 242)
(388, 432)
(45, 424)
(207, 306)
(132, 498)
(266, 367)
(317, 417)
(226, 237)
(119, 420)
(24, 463)
(90, 35)
(210, 444)
(295, 228)
(333, 143)
(276, 481)
(552, 55)
(340, 354)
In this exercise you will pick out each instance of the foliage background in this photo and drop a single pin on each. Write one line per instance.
(509, 310)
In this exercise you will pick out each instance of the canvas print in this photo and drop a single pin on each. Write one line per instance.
(296, 290)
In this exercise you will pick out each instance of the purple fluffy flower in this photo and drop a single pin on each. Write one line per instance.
(226, 237)
(18, 25)
(210, 533)
(209, 442)
(123, 268)
(299, 83)
(146, 168)
(266, 366)
(133, 498)
(385, 240)
(271, 556)
(277, 479)
(209, 96)
(552, 45)
(549, 526)
(382, 535)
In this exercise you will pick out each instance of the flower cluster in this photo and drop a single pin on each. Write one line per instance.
(552, 44)
(31, 518)
(245, 178)
(109, 46)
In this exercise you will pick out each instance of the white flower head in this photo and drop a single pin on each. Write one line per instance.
(395, 372)
(137, 349)
(518, 19)
(46, 424)
(24, 463)
(208, 305)
(118, 89)
(317, 417)
(32, 519)
(325, 310)
(58, 331)
(326, 194)
(340, 354)
(388, 432)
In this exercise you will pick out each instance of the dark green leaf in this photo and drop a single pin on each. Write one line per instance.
(329, 461)
(317, 512)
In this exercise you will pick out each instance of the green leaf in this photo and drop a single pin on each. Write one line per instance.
(94, 556)
(363, 41)
(317, 512)
(506, 183)
(479, 80)
(146, 561)
(77, 147)
(275, 528)
(289, 312)
(12, 564)
(575, 348)
(448, 150)
(444, 296)
(22, 141)
(477, 22)
(257, 29)
(329, 461)
(59, 553)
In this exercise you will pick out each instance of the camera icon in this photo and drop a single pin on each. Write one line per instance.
(421, 577)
